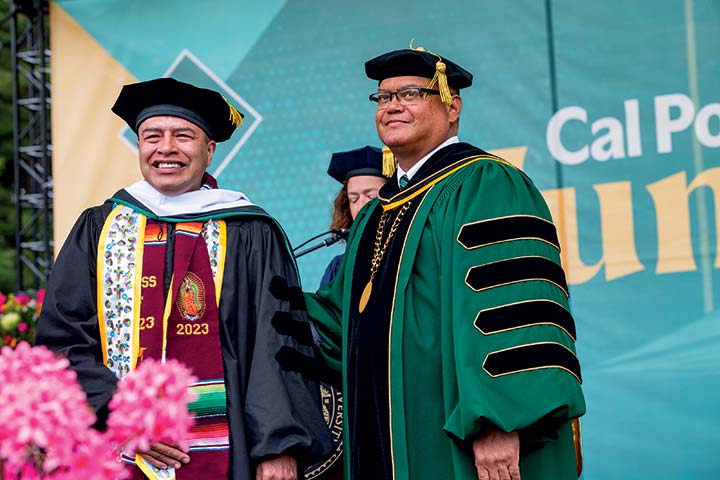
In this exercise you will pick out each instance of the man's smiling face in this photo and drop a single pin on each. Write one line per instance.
(174, 154)
(414, 130)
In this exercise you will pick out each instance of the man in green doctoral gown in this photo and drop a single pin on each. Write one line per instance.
(449, 317)
(174, 267)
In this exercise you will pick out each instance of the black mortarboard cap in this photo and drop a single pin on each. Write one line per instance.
(419, 63)
(362, 161)
(166, 96)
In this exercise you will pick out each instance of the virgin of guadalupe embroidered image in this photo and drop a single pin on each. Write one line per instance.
(191, 298)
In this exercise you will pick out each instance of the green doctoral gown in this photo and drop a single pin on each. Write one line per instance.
(467, 325)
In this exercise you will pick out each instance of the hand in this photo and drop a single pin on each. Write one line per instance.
(281, 467)
(497, 455)
(162, 455)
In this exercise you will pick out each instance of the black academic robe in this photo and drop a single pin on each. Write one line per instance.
(270, 410)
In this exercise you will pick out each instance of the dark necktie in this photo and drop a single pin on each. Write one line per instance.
(403, 181)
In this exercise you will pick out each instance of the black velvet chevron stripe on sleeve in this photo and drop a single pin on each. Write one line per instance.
(299, 330)
(534, 356)
(514, 270)
(525, 314)
(280, 289)
(506, 229)
(312, 368)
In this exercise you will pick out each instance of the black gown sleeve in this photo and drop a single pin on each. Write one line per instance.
(68, 322)
(282, 406)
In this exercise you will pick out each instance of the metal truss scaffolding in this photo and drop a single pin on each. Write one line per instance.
(32, 141)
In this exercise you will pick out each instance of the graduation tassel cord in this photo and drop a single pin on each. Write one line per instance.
(388, 162)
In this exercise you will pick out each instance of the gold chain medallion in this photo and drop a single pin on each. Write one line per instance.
(379, 252)
(365, 297)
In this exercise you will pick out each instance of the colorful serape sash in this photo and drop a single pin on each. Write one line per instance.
(184, 326)
(210, 431)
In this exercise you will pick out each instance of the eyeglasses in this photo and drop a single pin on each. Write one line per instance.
(405, 96)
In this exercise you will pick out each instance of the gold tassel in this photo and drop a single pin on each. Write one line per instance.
(236, 118)
(388, 162)
(440, 78)
(432, 84)
(443, 86)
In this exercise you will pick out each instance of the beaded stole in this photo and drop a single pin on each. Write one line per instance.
(119, 268)
(119, 272)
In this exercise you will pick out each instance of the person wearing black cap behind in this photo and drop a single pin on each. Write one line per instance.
(173, 267)
(360, 172)
(361, 175)
(451, 310)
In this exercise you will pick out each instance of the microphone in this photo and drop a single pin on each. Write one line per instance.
(337, 235)
(343, 233)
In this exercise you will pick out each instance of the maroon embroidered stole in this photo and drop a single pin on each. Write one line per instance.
(185, 326)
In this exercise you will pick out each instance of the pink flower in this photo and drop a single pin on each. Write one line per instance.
(41, 407)
(92, 459)
(40, 297)
(150, 405)
(22, 299)
(45, 421)
(22, 327)
(26, 472)
(3, 299)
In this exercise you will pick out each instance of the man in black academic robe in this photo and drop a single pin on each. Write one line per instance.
(274, 416)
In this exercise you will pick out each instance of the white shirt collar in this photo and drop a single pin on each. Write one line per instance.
(198, 201)
(413, 170)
